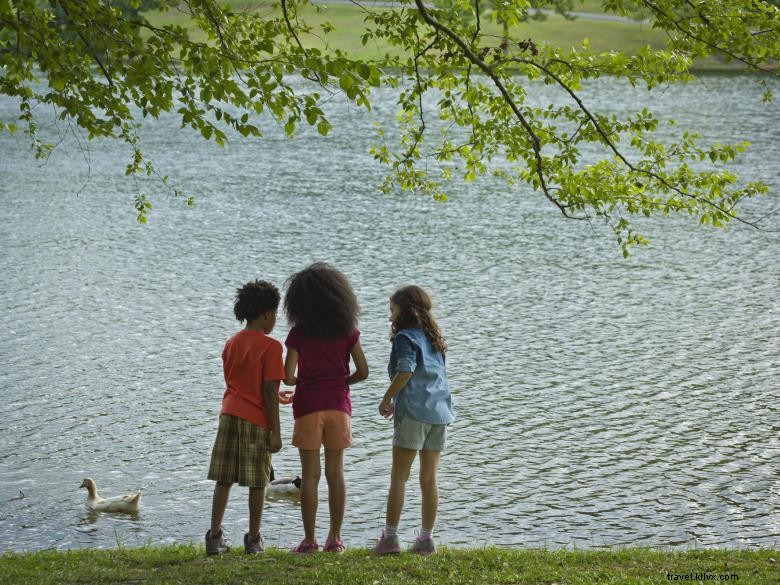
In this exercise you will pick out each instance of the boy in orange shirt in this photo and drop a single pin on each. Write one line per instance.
(249, 421)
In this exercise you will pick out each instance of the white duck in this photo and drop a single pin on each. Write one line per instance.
(126, 504)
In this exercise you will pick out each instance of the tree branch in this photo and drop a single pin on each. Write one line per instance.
(658, 11)
(474, 58)
(421, 130)
(87, 44)
(704, 19)
(316, 78)
(290, 26)
(18, 27)
(608, 141)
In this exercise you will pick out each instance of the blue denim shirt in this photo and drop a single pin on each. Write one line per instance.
(426, 396)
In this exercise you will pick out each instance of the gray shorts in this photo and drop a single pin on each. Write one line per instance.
(413, 434)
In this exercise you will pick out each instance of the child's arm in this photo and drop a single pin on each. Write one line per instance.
(270, 393)
(404, 366)
(396, 385)
(290, 364)
(361, 365)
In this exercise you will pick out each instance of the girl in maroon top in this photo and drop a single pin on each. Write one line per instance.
(322, 310)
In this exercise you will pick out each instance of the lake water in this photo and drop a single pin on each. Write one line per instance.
(600, 401)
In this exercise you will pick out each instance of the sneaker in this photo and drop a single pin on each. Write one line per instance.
(387, 545)
(254, 545)
(216, 545)
(306, 547)
(423, 546)
(334, 546)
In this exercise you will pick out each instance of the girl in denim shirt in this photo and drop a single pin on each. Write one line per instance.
(419, 399)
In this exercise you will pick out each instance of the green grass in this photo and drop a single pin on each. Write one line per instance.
(348, 20)
(555, 30)
(189, 565)
(588, 6)
(349, 25)
(602, 35)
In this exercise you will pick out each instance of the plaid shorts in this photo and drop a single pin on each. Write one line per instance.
(241, 453)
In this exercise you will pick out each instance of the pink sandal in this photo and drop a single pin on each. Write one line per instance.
(306, 547)
(334, 546)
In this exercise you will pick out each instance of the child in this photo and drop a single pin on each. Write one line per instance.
(249, 421)
(419, 397)
(322, 310)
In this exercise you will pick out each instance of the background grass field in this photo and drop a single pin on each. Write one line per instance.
(348, 20)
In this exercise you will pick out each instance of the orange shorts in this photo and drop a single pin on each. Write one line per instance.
(329, 428)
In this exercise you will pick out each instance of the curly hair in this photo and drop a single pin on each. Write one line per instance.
(255, 298)
(414, 306)
(320, 302)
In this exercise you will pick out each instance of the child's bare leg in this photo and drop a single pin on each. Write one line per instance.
(399, 474)
(218, 505)
(256, 501)
(337, 490)
(310, 479)
(429, 465)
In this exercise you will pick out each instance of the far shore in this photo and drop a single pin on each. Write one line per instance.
(604, 32)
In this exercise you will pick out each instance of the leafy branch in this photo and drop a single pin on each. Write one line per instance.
(104, 67)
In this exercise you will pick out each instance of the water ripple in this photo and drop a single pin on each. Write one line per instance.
(600, 402)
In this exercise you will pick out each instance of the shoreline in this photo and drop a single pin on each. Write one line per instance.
(189, 564)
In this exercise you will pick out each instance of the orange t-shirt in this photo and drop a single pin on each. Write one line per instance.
(249, 359)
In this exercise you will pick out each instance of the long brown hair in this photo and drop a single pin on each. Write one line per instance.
(414, 310)
(320, 302)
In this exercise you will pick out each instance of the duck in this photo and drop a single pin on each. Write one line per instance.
(128, 504)
(284, 485)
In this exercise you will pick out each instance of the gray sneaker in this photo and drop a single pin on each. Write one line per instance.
(254, 545)
(216, 545)
(387, 545)
(423, 546)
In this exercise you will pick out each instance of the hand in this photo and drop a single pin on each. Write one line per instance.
(386, 408)
(286, 396)
(276, 441)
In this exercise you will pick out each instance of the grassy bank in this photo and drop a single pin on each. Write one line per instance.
(348, 22)
(189, 565)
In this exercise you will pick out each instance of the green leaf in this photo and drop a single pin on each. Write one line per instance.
(57, 83)
(289, 127)
(346, 82)
(364, 70)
